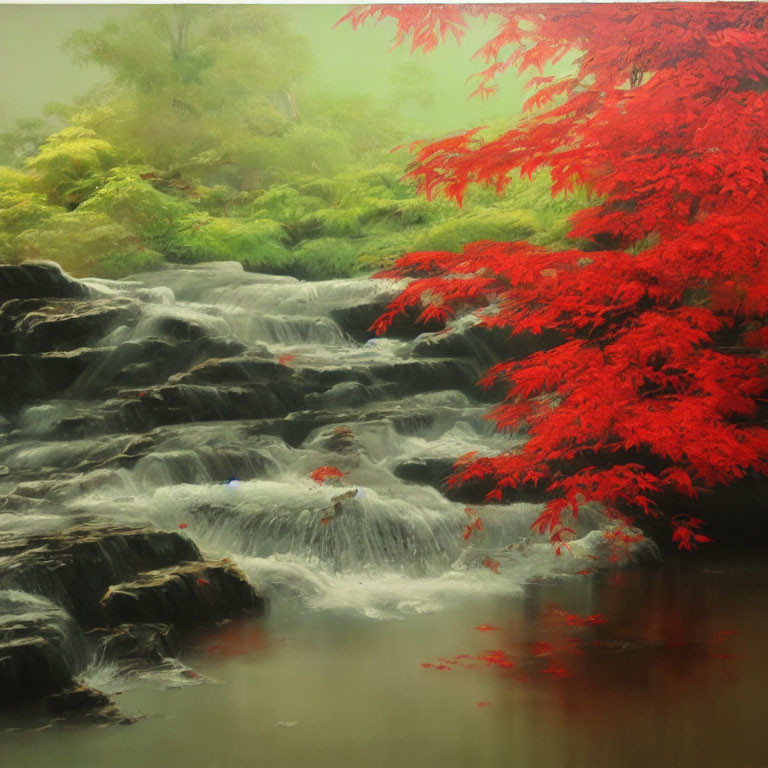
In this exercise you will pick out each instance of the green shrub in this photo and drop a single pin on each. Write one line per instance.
(324, 259)
(485, 224)
(134, 203)
(71, 165)
(255, 243)
(87, 243)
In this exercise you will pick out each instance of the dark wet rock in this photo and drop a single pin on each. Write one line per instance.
(415, 376)
(137, 644)
(38, 280)
(484, 345)
(75, 567)
(42, 376)
(356, 321)
(41, 648)
(151, 361)
(427, 471)
(182, 403)
(184, 595)
(82, 703)
(79, 699)
(234, 369)
(63, 324)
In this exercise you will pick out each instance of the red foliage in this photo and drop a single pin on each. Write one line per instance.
(326, 472)
(654, 390)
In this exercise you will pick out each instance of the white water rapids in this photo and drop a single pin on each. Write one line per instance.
(391, 546)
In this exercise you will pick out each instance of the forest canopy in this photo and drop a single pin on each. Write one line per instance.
(211, 140)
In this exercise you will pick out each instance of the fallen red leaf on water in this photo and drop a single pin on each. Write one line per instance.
(142, 394)
(427, 665)
(584, 572)
(492, 565)
(183, 526)
(477, 525)
(485, 628)
(321, 474)
(190, 674)
(470, 512)
(483, 703)
(285, 359)
(443, 668)
(201, 582)
(326, 520)
(497, 659)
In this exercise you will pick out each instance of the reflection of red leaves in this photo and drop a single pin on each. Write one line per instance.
(326, 520)
(491, 565)
(572, 619)
(555, 671)
(477, 525)
(584, 572)
(470, 512)
(482, 704)
(484, 628)
(427, 665)
(321, 474)
(577, 621)
(285, 359)
(443, 668)
(540, 649)
(183, 526)
(235, 639)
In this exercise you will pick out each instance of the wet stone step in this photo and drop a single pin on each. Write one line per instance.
(41, 648)
(183, 595)
(74, 567)
(38, 279)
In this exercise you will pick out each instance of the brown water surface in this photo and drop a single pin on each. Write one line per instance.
(676, 677)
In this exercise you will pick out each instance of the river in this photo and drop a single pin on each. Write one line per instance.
(370, 576)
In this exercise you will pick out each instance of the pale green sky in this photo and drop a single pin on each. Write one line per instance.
(35, 71)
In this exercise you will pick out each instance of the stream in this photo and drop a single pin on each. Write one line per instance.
(202, 407)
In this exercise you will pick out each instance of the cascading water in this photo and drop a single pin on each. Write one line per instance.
(212, 434)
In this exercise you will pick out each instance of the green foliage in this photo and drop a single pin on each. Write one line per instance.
(133, 202)
(324, 258)
(87, 243)
(71, 165)
(485, 224)
(205, 146)
(257, 244)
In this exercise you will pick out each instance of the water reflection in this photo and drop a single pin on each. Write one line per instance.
(675, 677)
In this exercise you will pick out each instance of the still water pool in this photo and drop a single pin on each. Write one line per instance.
(675, 677)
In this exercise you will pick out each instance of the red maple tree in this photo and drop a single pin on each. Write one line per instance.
(658, 386)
